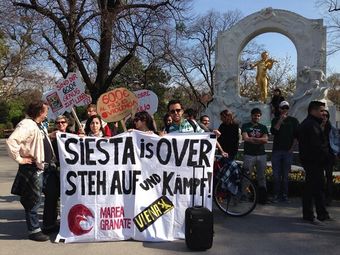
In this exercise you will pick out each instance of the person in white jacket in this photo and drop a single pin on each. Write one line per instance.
(30, 146)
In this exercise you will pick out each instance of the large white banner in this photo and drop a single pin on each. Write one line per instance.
(132, 186)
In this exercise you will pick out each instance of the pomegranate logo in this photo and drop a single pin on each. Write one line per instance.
(80, 220)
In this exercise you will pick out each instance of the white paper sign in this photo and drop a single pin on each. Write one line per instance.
(147, 101)
(67, 93)
(131, 186)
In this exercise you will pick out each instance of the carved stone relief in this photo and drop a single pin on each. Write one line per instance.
(309, 38)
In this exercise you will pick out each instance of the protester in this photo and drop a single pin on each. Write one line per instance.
(51, 187)
(314, 157)
(255, 135)
(115, 129)
(332, 139)
(205, 122)
(30, 146)
(180, 124)
(229, 129)
(71, 126)
(92, 111)
(143, 121)
(191, 115)
(276, 100)
(284, 128)
(61, 124)
(188, 125)
(167, 120)
(94, 127)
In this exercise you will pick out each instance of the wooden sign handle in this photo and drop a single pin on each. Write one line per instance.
(123, 125)
(77, 120)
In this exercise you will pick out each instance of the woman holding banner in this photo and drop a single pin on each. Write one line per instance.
(51, 187)
(143, 122)
(92, 111)
(94, 126)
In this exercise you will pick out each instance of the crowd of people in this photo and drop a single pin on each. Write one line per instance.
(36, 152)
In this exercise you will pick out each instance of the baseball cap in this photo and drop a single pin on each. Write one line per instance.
(283, 103)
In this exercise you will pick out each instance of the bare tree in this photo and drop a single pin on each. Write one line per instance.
(332, 5)
(334, 91)
(191, 55)
(98, 37)
(18, 73)
(329, 9)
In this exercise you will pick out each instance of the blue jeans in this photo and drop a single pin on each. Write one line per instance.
(281, 163)
(31, 211)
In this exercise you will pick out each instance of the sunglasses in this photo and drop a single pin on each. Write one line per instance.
(175, 111)
(284, 107)
(60, 122)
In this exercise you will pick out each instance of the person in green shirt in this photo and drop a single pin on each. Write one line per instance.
(255, 136)
(284, 128)
(180, 124)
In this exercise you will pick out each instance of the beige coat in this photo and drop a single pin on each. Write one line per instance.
(27, 141)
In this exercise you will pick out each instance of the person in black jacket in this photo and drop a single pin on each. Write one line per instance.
(51, 186)
(229, 129)
(275, 103)
(327, 127)
(284, 129)
(314, 155)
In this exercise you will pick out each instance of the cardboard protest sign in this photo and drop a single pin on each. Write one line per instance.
(67, 93)
(131, 186)
(117, 104)
(147, 101)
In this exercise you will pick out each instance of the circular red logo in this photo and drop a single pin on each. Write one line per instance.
(80, 219)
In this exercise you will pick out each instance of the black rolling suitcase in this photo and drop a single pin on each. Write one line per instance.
(199, 224)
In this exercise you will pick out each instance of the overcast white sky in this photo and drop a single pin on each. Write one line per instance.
(277, 44)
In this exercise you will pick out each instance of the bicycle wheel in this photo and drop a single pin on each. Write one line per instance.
(237, 205)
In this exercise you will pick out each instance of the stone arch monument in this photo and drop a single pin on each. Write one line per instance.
(309, 38)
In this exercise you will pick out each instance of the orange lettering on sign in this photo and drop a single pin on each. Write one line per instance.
(116, 104)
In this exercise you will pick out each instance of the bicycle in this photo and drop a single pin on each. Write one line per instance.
(234, 191)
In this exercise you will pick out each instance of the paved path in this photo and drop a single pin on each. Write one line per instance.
(270, 229)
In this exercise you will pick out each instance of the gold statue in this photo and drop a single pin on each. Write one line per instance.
(261, 77)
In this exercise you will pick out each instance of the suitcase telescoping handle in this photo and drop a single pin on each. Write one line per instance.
(193, 185)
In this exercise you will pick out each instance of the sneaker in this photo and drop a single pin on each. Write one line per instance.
(285, 200)
(51, 230)
(326, 218)
(39, 237)
(266, 202)
(275, 200)
(328, 201)
(330, 219)
(314, 222)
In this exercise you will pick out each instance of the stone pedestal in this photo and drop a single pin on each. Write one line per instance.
(241, 111)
